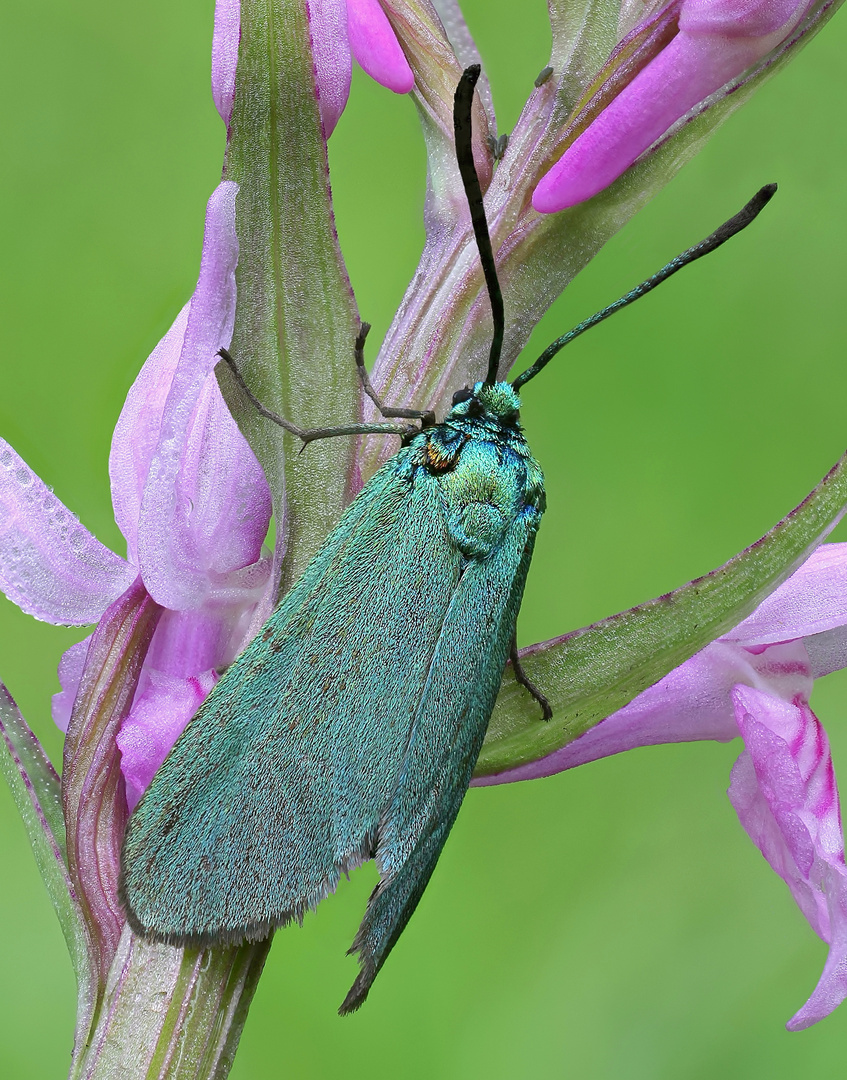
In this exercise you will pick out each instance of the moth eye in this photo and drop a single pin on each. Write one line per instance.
(462, 395)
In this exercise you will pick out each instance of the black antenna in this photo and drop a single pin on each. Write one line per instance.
(464, 155)
(720, 236)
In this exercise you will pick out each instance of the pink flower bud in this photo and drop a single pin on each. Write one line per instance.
(717, 41)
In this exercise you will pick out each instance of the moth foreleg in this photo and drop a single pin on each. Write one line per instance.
(426, 418)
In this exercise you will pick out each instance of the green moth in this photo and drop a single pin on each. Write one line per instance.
(349, 728)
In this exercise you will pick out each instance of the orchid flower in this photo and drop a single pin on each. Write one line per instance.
(713, 43)
(193, 492)
(756, 682)
(190, 500)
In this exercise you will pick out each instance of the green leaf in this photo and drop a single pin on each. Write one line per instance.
(591, 673)
(296, 319)
(36, 790)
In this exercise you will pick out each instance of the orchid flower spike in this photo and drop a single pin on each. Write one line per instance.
(716, 41)
(342, 29)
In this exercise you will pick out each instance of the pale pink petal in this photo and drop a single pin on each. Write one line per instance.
(811, 601)
(225, 42)
(827, 651)
(187, 642)
(784, 791)
(831, 989)
(50, 565)
(70, 673)
(206, 504)
(376, 47)
(157, 719)
(693, 702)
(226, 504)
(136, 434)
(331, 53)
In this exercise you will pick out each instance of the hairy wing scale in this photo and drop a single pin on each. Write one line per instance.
(278, 783)
(448, 731)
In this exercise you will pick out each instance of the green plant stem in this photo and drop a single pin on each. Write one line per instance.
(172, 1014)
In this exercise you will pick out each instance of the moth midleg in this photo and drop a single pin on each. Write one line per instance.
(524, 680)
(427, 418)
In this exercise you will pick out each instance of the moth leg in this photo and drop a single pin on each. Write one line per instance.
(525, 681)
(308, 435)
(427, 418)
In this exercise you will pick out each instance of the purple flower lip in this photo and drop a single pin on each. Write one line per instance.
(717, 41)
(756, 682)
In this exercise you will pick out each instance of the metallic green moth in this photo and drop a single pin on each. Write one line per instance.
(349, 728)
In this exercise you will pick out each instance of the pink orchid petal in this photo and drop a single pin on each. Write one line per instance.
(827, 651)
(206, 505)
(70, 673)
(137, 431)
(693, 702)
(157, 719)
(50, 564)
(784, 791)
(331, 52)
(230, 504)
(831, 989)
(375, 46)
(187, 642)
(225, 42)
(811, 601)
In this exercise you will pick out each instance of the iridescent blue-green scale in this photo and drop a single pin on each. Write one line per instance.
(350, 726)
(494, 499)
(278, 783)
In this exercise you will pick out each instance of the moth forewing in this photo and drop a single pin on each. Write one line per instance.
(331, 739)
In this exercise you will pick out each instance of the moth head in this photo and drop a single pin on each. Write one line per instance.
(491, 401)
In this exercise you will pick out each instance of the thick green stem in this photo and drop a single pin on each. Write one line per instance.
(296, 321)
(172, 1014)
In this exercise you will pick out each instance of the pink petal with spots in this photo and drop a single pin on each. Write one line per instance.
(50, 565)
(784, 791)
(157, 719)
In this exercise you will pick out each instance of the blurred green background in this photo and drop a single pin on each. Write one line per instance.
(611, 922)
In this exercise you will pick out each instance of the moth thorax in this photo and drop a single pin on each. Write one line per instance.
(498, 399)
